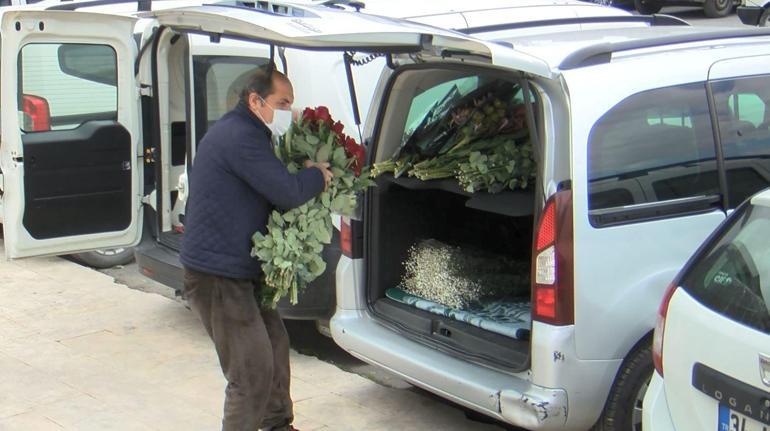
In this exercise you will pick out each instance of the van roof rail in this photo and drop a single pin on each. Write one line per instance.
(602, 53)
(655, 20)
(141, 5)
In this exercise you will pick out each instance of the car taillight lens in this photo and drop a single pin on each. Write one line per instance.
(660, 327)
(552, 263)
(346, 238)
(37, 114)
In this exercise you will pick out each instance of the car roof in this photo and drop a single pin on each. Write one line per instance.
(573, 49)
(412, 9)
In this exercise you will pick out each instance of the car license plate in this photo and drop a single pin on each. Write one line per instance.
(730, 420)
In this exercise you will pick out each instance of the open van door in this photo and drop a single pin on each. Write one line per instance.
(70, 130)
(325, 29)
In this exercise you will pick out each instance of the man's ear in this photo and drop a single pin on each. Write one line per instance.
(255, 101)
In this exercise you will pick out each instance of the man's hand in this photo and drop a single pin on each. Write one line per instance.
(324, 168)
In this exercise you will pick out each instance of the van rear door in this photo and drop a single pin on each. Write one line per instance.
(70, 128)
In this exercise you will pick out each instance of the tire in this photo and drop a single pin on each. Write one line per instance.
(623, 411)
(106, 258)
(717, 8)
(648, 7)
(764, 19)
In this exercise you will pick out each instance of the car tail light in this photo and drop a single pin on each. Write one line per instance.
(660, 327)
(346, 238)
(552, 263)
(37, 114)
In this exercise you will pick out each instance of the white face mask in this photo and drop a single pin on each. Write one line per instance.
(281, 120)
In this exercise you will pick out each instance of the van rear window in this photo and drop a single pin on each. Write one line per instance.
(66, 85)
(733, 277)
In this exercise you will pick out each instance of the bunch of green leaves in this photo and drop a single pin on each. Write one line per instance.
(291, 249)
(507, 165)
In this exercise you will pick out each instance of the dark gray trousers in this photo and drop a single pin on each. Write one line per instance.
(253, 349)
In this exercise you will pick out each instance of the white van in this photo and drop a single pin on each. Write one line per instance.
(644, 139)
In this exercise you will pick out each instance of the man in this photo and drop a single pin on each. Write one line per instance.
(236, 182)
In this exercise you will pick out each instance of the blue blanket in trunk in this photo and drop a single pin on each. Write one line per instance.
(512, 319)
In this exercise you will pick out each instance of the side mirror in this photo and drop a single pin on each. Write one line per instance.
(91, 62)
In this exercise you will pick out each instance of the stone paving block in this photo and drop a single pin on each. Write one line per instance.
(148, 404)
(22, 387)
(339, 413)
(306, 424)
(11, 330)
(302, 389)
(30, 421)
(56, 360)
(204, 392)
(56, 268)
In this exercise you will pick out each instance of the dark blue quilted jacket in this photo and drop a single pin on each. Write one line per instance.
(235, 183)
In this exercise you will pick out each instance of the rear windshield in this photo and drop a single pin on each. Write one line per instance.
(733, 277)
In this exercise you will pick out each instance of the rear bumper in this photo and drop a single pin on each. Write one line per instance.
(750, 15)
(655, 414)
(159, 263)
(507, 397)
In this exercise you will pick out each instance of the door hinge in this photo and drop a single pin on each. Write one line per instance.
(145, 90)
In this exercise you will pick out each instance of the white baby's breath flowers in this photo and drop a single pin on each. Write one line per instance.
(458, 277)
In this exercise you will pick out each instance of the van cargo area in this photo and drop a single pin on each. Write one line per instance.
(446, 266)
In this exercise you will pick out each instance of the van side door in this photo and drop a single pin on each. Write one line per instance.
(740, 88)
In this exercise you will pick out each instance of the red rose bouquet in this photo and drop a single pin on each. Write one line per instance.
(290, 252)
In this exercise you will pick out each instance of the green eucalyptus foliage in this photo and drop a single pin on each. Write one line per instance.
(290, 250)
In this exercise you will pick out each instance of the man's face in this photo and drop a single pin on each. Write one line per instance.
(282, 97)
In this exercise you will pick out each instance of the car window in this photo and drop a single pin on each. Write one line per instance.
(424, 102)
(744, 130)
(733, 277)
(51, 99)
(653, 146)
(433, 103)
(218, 82)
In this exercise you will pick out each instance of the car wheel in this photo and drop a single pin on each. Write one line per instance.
(623, 411)
(106, 258)
(647, 7)
(717, 8)
(764, 20)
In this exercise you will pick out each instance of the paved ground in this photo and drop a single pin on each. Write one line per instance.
(80, 352)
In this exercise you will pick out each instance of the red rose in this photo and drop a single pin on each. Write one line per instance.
(308, 114)
(357, 152)
(350, 146)
(337, 128)
(360, 159)
(322, 114)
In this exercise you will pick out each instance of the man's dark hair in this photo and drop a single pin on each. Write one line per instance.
(261, 82)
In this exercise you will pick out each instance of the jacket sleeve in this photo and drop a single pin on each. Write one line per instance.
(255, 162)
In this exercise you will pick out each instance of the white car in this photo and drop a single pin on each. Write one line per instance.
(712, 340)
